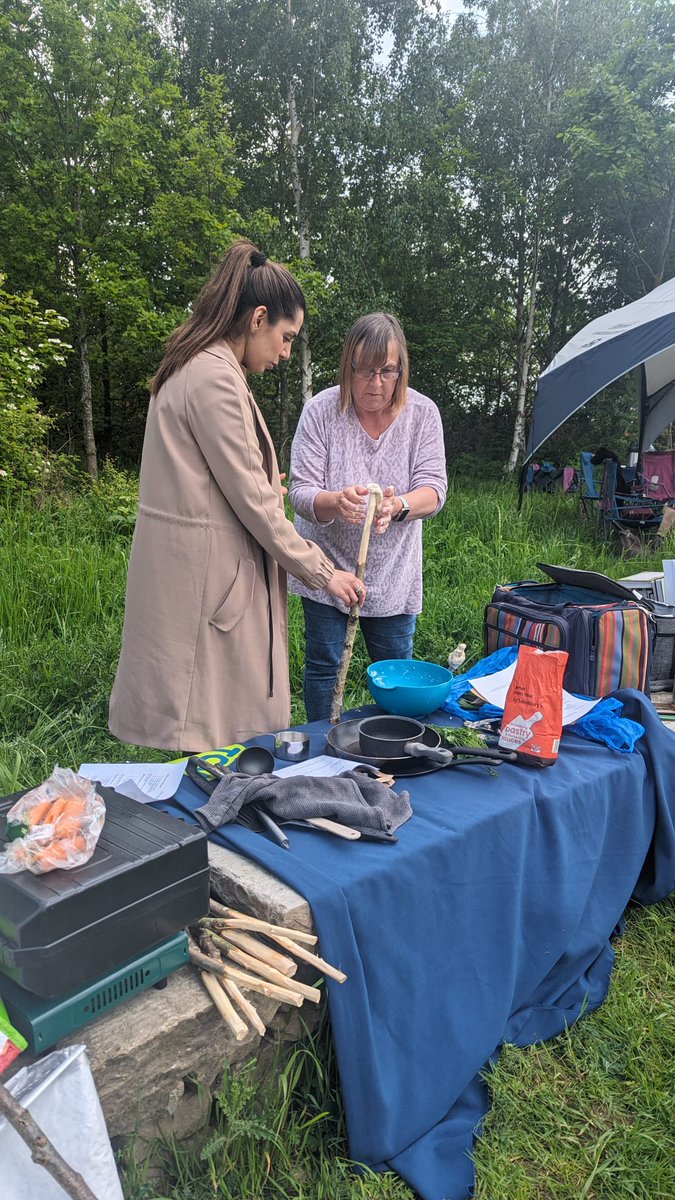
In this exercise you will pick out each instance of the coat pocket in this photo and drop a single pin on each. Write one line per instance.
(237, 599)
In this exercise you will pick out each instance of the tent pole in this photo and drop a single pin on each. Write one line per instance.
(641, 392)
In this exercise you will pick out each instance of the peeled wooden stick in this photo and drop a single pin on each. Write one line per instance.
(255, 926)
(266, 954)
(339, 690)
(255, 984)
(252, 1015)
(308, 957)
(224, 1006)
(261, 968)
(240, 920)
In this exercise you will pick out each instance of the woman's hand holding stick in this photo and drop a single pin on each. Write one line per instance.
(374, 498)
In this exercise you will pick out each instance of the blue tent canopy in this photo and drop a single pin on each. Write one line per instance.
(639, 337)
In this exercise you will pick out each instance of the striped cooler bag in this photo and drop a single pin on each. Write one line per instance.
(607, 631)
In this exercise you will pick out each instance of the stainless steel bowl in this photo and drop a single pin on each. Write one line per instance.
(291, 745)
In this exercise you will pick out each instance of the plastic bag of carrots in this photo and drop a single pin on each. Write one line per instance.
(56, 825)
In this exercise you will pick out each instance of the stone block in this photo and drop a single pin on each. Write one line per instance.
(157, 1057)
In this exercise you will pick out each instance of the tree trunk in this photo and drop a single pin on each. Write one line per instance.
(86, 404)
(524, 334)
(283, 417)
(107, 398)
(665, 241)
(300, 212)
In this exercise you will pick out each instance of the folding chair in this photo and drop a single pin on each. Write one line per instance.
(589, 485)
(626, 513)
(658, 468)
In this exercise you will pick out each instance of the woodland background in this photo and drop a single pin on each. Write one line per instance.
(496, 175)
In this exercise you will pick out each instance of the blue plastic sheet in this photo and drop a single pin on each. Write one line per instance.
(603, 723)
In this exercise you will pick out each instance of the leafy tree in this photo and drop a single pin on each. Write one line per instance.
(621, 142)
(118, 194)
(30, 342)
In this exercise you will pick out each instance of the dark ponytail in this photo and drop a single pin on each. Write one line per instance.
(245, 279)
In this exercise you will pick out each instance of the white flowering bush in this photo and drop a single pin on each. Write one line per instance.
(30, 342)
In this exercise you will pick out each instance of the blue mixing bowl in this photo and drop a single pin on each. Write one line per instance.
(408, 687)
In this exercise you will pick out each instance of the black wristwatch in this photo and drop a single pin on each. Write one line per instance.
(401, 516)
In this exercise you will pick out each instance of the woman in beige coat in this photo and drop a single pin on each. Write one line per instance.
(204, 658)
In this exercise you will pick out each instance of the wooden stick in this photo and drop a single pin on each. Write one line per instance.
(281, 962)
(308, 957)
(339, 690)
(252, 1015)
(224, 1006)
(255, 984)
(41, 1149)
(206, 945)
(205, 963)
(236, 919)
(262, 969)
(255, 926)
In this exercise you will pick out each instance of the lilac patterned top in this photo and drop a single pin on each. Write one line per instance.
(331, 450)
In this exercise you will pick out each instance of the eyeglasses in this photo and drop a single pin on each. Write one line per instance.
(387, 375)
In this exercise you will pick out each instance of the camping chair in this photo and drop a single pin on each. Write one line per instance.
(658, 468)
(589, 487)
(627, 513)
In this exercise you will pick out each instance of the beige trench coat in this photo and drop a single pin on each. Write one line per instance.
(204, 658)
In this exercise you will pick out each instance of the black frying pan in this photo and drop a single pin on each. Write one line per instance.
(343, 740)
(390, 737)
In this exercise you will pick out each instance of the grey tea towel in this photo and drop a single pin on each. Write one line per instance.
(352, 798)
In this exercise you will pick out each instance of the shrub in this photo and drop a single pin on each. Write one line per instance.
(29, 344)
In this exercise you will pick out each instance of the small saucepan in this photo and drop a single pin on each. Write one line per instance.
(396, 737)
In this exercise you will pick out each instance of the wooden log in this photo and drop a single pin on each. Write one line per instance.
(224, 1006)
(339, 690)
(255, 984)
(269, 973)
(252, 1015)
(312, 959)
(281, 962)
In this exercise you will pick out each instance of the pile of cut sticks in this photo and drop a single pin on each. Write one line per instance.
(237, 953)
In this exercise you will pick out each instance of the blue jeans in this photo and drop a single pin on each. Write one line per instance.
(325, 628)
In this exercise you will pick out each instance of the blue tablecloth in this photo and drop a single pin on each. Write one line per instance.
(490, 921)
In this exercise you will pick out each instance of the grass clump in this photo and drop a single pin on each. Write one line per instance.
(284, 1140)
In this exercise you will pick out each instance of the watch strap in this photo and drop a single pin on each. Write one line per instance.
(401, 516)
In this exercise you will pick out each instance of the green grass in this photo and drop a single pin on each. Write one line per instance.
(590, 1115)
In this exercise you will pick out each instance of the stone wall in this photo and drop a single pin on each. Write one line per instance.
(157, 1057)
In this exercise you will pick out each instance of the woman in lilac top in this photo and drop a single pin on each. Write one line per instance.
(372, 428)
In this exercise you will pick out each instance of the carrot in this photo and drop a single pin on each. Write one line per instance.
(74, 807)
(36, 814)
(55, 810)
(53, 854)
(66, 826)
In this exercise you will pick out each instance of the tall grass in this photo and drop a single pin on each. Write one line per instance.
(588, 1116)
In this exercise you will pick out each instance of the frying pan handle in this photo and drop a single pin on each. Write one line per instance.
(487, 752)
(419, 750)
